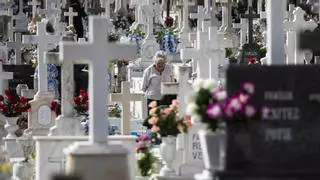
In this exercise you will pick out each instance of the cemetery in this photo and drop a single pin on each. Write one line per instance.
(159, 89)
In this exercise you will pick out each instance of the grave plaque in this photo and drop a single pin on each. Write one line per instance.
(22, 74)
(250, 51)
(285, 142)
(44, 115)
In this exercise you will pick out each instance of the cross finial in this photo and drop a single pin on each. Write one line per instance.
(201, 16)
(250, 18)
(71, 14)
(34, 4)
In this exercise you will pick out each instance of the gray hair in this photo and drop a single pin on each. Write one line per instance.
(159, 54)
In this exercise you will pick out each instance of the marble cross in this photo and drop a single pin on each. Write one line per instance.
(200, 16)
(250, 17)
(43, 40)
(70, 14)
(97, 53)
(226, 15)
(4, 76)
(185, 17)
(125, 98)
(34, 4)
(149, 11)
(16, 45)
(299, 25)
(275, 35)
(243, 26)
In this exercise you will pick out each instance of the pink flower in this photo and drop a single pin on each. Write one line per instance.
(228, 112)
(153, 120)
(175, 103)
(214, 110)
(249, 87)
(243, 98)
(265, 112)
(153, 104)
(235, 105)
(144, 138)
(152, 111)
(220, 94)
(249, 111)
(155, 129)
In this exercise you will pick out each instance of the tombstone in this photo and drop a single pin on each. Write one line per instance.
(283, 143)
(92, 52)
(250, 50)
(4, 76)
(22, 74)
(126, 97)
(20, 20)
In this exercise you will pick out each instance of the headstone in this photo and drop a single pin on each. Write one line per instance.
(20, 20)
(4, 76)
(98, 48)
(22, 74)
(16, 45)
(125, 98)
(250, 50)
(284, 142)
(243, 26)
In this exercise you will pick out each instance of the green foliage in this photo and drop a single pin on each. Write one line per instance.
(115, 111)
(171, 31)
(263, 52)
(146, 163)
(229, 52)
(138, 31)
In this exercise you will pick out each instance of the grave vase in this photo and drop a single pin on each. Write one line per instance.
(212, 146)
(11, 126)
(168, 153)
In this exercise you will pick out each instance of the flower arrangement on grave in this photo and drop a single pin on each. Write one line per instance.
(212, 106)
(166, 121)
(29, 55)
(168, 40)
(56, 106)
(252, 60)
(12, 105)
(81, 103)
(120, 22)
(113, 37)
(145, 159)
(114, 110)
(136, 36)
(168, 21)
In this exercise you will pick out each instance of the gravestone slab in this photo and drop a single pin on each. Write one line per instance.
(285, 142)
(250, 51)
(22, 74)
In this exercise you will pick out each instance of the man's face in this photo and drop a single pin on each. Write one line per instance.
(161, 63)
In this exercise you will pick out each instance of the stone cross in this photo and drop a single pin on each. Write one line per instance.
(125, 97)
(275, 35)
(291, 37)
(149, 10)
(299, 25)
(16, 45)
(97, 53)
(51, 11)
(200, 16)
(185, 17)
(21, 20)
(243, 26)
(250, 18)
(4, 76)
(70, 14)
(226, 15)
(259, 6)
(43, 40)
(34, 4)
(120, 6)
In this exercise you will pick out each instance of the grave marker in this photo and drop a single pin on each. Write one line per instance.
(20, 20)
(285, 141)
(17, 45)
(201, 16)
(70, 15)
(4, 76)
(34, 4)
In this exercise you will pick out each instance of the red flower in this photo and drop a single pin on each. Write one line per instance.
(28, 107)
(82, 92)
(86, 106)
(1, 106)
(77, 100)
(11, 98)
(54, 104)
(7, 92)
(85, 96)
(252, 60)
(16, 109)
(1, 98)
(23, 100)
(5, 109)
(168, 21)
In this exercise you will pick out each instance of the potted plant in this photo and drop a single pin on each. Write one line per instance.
(145, 159)
(213, 107)
(12, 106)
(167, 124)
(81, 103)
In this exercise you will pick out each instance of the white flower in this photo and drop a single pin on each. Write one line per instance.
(221, 94)
(235, 104)
(265, 113)
(250, 111)
(140, 156)
(192, 108)
(209, 84)
(249, 87)
(243, 98)
(197, 84)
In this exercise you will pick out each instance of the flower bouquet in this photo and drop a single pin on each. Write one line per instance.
(145, 159)
(81, 104)
(12, 105)
(56, 106)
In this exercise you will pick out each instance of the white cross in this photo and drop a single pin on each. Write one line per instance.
(51, 11)
(125, 97)
(226, 15)
(20, 18)
(34, 4)
(97, 53)
(185, 17)
(201, 16)
(70, 14)
(243, 26)
(182, 88)
(275, 35)
(299, 25)
(16, 45)
(149, 11)
(4, 76)
(43, 40)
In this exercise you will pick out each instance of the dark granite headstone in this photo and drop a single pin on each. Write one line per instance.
(22, 74)
(250, 51)
(286, 143)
